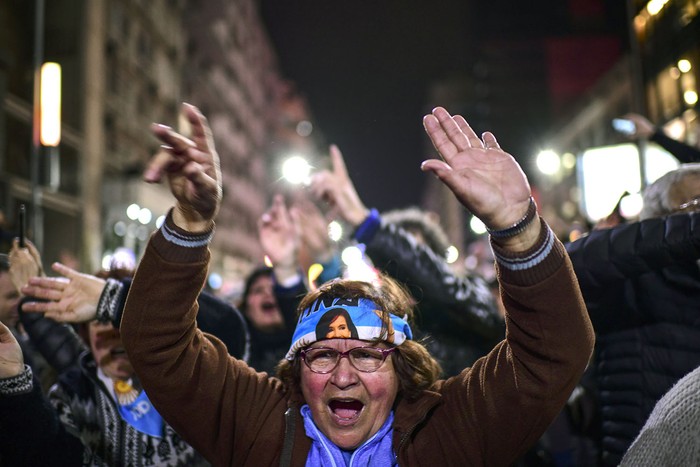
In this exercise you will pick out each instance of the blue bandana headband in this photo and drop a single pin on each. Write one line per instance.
(345, 318)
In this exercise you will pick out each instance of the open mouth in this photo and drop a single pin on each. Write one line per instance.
(346, 409)
(269, 307)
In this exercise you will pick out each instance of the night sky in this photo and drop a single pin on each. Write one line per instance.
(365, 66)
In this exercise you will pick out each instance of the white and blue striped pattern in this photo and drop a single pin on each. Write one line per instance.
(187, 241)
(531, 260)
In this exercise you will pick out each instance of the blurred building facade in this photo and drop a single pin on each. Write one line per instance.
(649, 66)
(528, 70)
(668, 35)
(126, 64)
(657, 78)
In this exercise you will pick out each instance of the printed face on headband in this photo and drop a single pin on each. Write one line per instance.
(355, 318)
(336, 323)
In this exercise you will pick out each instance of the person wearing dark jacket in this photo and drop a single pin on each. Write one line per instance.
(459, 313)
(641, 283)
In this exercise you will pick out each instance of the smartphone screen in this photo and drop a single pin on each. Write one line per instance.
(624, 126)
(22, 225)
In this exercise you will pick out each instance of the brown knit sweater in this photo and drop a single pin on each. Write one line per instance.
(488, 415)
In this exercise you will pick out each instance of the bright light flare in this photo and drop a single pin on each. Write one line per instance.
(568, 161)
(631, 205)
(145, 216)
(215, 280)
(477, 226)
(296, 170)
(451, 254)
(684, 65)
(356, 266)
(548, 162)
(335, 231)
(133, 211)
(655, 6)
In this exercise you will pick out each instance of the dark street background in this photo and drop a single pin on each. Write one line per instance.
(365, 68)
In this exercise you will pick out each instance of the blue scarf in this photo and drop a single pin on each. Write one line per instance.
(377, 450)
(141, 415)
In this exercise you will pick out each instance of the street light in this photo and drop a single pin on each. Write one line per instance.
(50, 105)
(50, 118)
(548, 162)
(296, 170)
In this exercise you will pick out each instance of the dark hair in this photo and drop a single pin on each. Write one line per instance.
(323, 326)
(258, 272)
(416, 369)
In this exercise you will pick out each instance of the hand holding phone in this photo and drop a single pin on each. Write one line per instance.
(22, 225)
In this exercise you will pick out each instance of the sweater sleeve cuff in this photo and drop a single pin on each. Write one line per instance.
(20, 384)
(107, 305)
(531, 266)
(365, 231)
(180, 246)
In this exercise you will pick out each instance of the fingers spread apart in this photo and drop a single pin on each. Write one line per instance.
(450, 134)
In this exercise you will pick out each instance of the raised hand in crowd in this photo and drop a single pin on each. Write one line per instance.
(313, 230)
(336, 188)
(485, 179)
(191, 166)
(279, 236)
(25, 263)
(71, 298)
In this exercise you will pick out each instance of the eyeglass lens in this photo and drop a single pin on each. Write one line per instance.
(365, 359)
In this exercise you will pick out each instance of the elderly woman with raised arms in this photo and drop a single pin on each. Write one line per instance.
(355, 388)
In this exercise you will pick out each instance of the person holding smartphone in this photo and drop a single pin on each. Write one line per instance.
(636, 126)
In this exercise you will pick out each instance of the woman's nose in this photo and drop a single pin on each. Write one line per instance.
(344, 374)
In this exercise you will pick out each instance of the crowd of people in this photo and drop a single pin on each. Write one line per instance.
(586, 354)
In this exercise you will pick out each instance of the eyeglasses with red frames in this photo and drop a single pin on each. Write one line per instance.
(324, 359)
